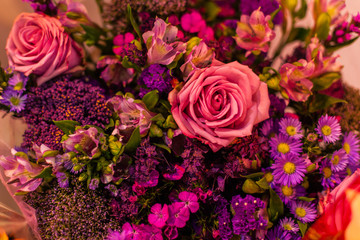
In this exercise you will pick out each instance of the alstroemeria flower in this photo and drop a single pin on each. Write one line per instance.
(161, 44)
(114, 72)
(132, 114)
(40, 151)
(159, 215)
(333, 8)
(78, 12)
(323, 64)
(21, 171)
(294, 79)
(254, 33)
(86, 139)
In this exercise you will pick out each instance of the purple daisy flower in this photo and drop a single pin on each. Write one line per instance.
(289, 169)
(291, 127)
(329, 128)
(18, 81)
(283, 145)
(304, 211)
(278, 233)
(288, 194)
(269, 128)
(14, 100)
(330, 178)
(339, 160)
(351, 147)
(288, 224)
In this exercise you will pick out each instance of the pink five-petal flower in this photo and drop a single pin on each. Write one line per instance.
(177, 175)
(191, 201)
(178, 215)
(171, 232)
(192, 22)
(159, 215)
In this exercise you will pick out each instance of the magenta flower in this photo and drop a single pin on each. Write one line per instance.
(87, 140)
(159, 215)
(132, 114)
(193, 22)
(191, 201)
(253, 33)
(138, 189)
(120, 40)
(294, 79)
(178, 215)
(171, 232)
(161, 44)
(21, 171)
(176, 175)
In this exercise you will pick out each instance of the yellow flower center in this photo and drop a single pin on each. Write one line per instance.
(15, 101)
(283, 148)
(291, 130)
(289, 168)
(300, 212)
(287, 227)
(327, 172)
(326, 130)
(18, 86)
(287, 191)
(346, 148)
(269, 177)
(336, 160)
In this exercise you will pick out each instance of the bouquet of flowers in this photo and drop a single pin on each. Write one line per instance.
(184, 119)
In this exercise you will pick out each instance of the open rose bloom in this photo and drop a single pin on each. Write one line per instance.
(219, 103)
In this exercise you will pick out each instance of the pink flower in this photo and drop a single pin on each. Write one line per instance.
(219, 103)
(295, 79)
(161, 44)
(87, 140)
(114, 72)
(254, 32)
(333, 8)
(192, 22)
(77, 9)
(341, 216)
(138, 189)
(21, 171)
(159, 215)
(43, 149)
(178, 215)
(38, 44)
(177, 175)
(120, 40)
(207, 33)
(191, 201)
(132, 114)
(171, 232)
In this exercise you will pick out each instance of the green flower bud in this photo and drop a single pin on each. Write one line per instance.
(251, 187)
(83, 176)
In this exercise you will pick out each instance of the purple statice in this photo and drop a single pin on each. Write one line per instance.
(289, 169)
(330, 179)
(246, 214)
(223, 216)
(352, 147)
(122, 208)
(44, 6)
(329, 128)
(193, 157)
(288, 224)
(157, 77)
(267, 7)
(284, 145)
(304, 211)
(14, 99)
(288, 194)
(277, 233)
(18, 82)
(72, 213)
(277, 105)
(62, 99)
(133, 54)
(339, 160)
(291, 127)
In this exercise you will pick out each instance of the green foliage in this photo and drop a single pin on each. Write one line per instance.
(134, 141)
(321, 101)
(323, 26)
(67, 126)
(276, 206)
(325, 81)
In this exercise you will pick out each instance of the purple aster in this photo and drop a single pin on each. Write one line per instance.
(270, 128)
(63, 180)
(339, 160)
(288, 224)
(330, 178)
(304, 211)
(289, 169)
(14, 100)
(157, 77)
(284, 145)
(18, 82)
(288, 194)
(278, 233)
(352, 147)
(329, 128)
(291, 127)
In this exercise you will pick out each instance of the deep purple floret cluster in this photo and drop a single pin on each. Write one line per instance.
(222, 211)
(193, 157)
(121, 207)
(45, 6)
(134, 54)
(156, 77)
(267, 7)
(277, 106)
(62, 99)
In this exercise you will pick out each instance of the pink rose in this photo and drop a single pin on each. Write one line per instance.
(38, 44)
(220, 103)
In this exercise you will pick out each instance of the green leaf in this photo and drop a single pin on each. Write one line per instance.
(306, 199)
(92, 34)
(163, 146)
(263, 183)
(67, 126)
(22, 155)
(134, 141)
(115, 147)
(298, 34)
(322, 101)
(323, 26)
(303, 227)
(110, 125)
(158, 119)
(45, 173)
(251, 187)
(325, 81)
(332, 49)
(165, 104)
(302, 11)
(151, 99)
(51, 153)
(212, 10)
(133, 22)
(253, 175)
(155, 131)
(170, 122)
(276, 206)
(127, 64)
